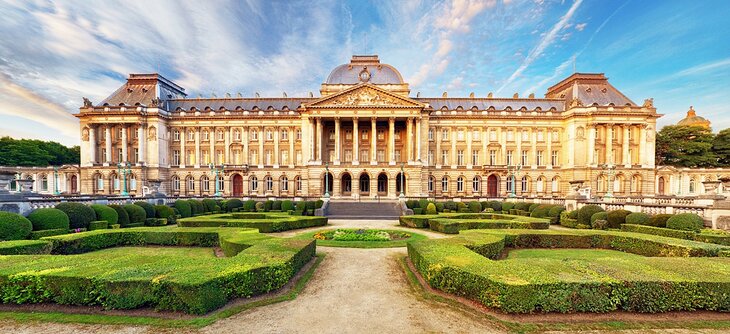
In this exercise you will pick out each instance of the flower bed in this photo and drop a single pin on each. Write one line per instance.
(362, 238)
(452, 223)
(676, 275)
(254, 264)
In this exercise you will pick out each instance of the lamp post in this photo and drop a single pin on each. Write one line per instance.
(217, 171)
(55, 181)
(402, 176)
(610, 170)
(513, 170)
(326, 180)
(124, 169)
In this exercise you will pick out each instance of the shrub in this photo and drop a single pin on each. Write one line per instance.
(506, 206)
(541, 211)
(617, 217)
(287, 205)
(234, 203)
(121, 214)
(196, 207)
(49, 219)
(411, 204)
(475, 207)
(276, 205)
(260, 206)
(495, 205)
(166, 212)
(183, 207)
(686, 222)
(267, 205)
(149, 209)
(137, 215)
(311, 205)
(35, 235)
(248, 205)
(637, 218)
(440, 207)
(318, 204)
(14, 226)
(423, 203)
(302, 206)
(104, 212)
(209, 203)
(98, 225)
(533, 206)
(555, 211)
(659, 220)
(598, 216)
(585, 213)
(431, 209)
(665, 232)
(573, 214)
(417, 211)
(450, 205)
(600, 224)
(524, 206)
(79, 215)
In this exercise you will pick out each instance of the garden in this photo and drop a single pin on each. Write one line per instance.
(362, 238)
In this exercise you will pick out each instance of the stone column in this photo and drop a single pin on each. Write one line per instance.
(485, 154)
(437, 157)
(183, 153)
(591, 144)
(211, 145)
(391, 140)
(292, 139)
(452, 138)
(141, 144)
(125, 156)
(108, 144)
(319, 140)
(625, 146)
(198, 155)
(277, 154)
(502, 136)
(355, 143)
(418, 153)
(373, 142)
(262, 136)
(533, 148)
(518, 140)
(549, 153)
(305, 142)
(246, 137)
(609, 143)
(409, 140)
(642, 144)
(92, 144)
(338, 142)
(468, 157)
(312, 140)
(227, 144)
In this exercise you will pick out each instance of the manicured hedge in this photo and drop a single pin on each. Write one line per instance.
(462, 266)
(265, 223)
(79, 215)
(586, 212)
(98, 225)
(453, 226)
(122, 215)
(210, 204)
(686, 221)
(665, 232)
(35, 235)
(48, 219)
(616, 218)
(136, 213)
(602, 215)
(638, 218)
(659, 220)
(14, 226)
(28, 247)
(104, 212)
(255, 264)
(149, 209)
(184, 208)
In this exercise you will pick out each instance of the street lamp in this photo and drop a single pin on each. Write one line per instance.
(217, 171)
(55, 181)
(402, 176)
(327, 180)
(610, 170)
(513, 170)
(124, 169)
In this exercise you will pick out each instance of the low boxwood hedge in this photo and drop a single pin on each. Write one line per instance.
(25, 247)
(122, 215)
(665, 232)
(98, 225)
(14, 226)
(669, 280)
(48, 219)
(686, 221)
(265, 223)
(104, 212)
(35, 235)
(149, 209)
(255, 264)
(453, 226)
(184, 208)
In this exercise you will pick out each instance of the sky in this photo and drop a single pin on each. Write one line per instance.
(54, 53)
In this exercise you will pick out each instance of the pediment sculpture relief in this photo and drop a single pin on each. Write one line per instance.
(365, 98)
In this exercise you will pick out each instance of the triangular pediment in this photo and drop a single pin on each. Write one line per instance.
(365, 95)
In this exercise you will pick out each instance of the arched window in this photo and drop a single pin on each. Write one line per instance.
(115, 182)
(636, 184)
(99, 182)
(555, 184)
(190, 183)
(476, 184)
(444, 184)
(254, 183)
(44, 182)
(205, 183)
(525, 184)
(431, 184)
(540, 184)
(175, 183)
(460, 184)
(221, 183)
(269, 183)
(298, 183)
(132, 182)
(284, 183)
(692, 185)
(510, 184)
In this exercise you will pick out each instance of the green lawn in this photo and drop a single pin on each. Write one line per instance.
(150, 251)
(362, 244)
(570, 254)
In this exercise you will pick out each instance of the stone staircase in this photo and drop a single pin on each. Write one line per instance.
(363, 210)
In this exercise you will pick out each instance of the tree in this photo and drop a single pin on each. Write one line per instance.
(685, 146)
(721, 147)
(28, 152)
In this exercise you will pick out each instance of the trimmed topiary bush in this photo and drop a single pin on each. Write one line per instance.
(659, 220)
(533, 206)
(166, 212)
(475, 207)
(183, 207)
(104, 212)
(411, 204)
(585, 213)
(234, 203)
(49, 219)
(541, 211)
(318, 204)
(555, 212)
(79, 215)
(276, 205)
(524, 206)
(686, 222)
(121, 214)
(149, 210)
(287, 205)
(637, 218)
(137, 215)
(301, 206)
(423, 203)
(250, 205)
(14, 226)
(598, 216)
(616, 218)
(268, 205)
(506, 206)
(210, 204)
(440, 207)
(260, 206)
(431, 209)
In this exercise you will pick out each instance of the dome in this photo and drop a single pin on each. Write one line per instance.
(364, 69)
(693, 120)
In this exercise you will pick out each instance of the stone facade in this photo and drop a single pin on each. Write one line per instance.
(365, 128)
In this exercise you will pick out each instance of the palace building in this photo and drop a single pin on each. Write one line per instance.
(367, 135)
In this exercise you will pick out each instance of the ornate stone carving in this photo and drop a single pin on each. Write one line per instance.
(85, 134)
(576, 102)
(87, 103)
(152, 133)
(365, 97)
(580, 133)
(155, 102)
(649, 103)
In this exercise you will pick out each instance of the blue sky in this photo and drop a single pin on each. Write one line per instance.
(53, 53)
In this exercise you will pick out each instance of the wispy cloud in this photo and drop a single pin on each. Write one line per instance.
(544, 43)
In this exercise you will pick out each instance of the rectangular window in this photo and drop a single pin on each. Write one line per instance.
(269, 135)
(285, 157)
(191, 135)
(176, 135)
(492, 157)
(397, 134)
(255, 157)
(348, 155)
(269, 157)
(331, 155)
(510, 135)
(460, 135)
(556, 136)
(525, 135)
(176, 157)
(460, 157)
(299, 134)
(381, 135)
(119, 155)
(509, 157)
(430, 158)
(206, 135)
(554, 158)
(445, 134)
(540, 136)
(475, 157)
(364, 135)
(397, 155)
(348, 135)
(381, 155)
(476, 135)
(525, 158)
(220, 135)
(254, 135)
(444, 157)
(539, 158)
(237, 135)
(284, 135)
(430, 134)
(219, 157)
(493, 135)
(299, 157)
(364, 155)
(136, 155)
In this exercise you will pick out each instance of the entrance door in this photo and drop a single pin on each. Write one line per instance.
(73, 184)
(346, 185)
(661, 185)
(382, 184)
(364, 184)
(492, 183)
(237, 185)
(400, 183)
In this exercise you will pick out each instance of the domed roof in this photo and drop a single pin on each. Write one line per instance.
(364, 69)
(693, 120)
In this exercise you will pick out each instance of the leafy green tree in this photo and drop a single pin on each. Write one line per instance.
(30, 152)
(685, 146)
(721, 147)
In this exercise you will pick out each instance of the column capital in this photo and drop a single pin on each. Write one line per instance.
(355, 118)
(374, 118)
